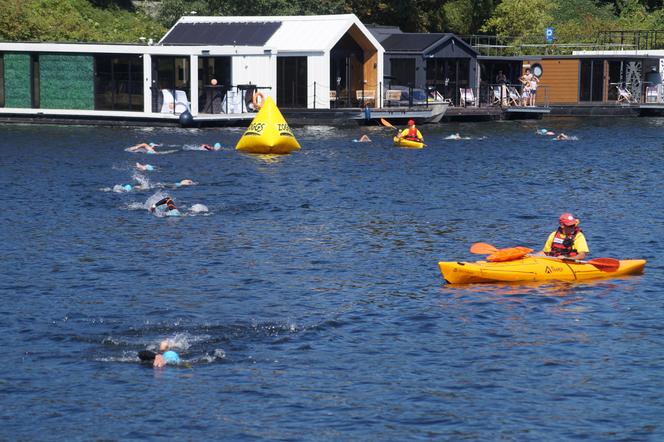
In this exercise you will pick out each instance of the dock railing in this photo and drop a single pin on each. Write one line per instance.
(511, 95)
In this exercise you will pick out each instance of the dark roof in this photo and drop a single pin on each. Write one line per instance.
(410, 42)
(381, 32)
(221, 34)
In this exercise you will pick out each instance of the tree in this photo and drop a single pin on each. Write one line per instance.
(521, 17)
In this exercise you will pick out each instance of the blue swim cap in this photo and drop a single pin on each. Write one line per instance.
(127, 187)
(217, 146)
(151, 152)
(178, 184)
(151, 144)
(149, 167)
(174, 212)
(171, 357)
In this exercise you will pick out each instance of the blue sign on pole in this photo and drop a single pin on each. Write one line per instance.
(549, 34)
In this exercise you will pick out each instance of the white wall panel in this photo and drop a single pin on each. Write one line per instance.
(318, 81)
(260, 70)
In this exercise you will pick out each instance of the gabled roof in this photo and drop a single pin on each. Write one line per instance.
(421, 42)
(221, 34)
(303, 33)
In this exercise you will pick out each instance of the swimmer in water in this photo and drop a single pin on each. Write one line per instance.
(185, 182)
(171, 209)
(145, 167)
(147, 147)
(562, 137)
(216, 146)
(167, 356)
(364, 139)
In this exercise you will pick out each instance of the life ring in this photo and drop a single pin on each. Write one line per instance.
(255, 100)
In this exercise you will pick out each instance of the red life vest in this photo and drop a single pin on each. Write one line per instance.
(412, 134)
(563, 245)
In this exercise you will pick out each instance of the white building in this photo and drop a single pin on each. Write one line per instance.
(301, 61)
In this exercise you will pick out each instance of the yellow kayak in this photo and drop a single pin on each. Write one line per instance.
(533, 269)
(402, 142)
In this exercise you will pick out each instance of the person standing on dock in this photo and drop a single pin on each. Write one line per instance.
(533, 89)
(568, 240)
(411, 133)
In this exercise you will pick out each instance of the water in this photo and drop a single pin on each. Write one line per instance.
(307, 297)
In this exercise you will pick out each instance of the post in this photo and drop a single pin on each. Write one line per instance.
(147, 84)
(314, 95)
(380, 95)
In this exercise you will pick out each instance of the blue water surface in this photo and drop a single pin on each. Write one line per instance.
(307, 299)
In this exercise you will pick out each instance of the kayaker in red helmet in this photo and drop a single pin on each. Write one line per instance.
(567, 240)
(411, 133)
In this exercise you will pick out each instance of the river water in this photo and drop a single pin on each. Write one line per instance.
(307, 299)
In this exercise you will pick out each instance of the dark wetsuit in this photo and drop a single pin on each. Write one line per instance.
(169, 203)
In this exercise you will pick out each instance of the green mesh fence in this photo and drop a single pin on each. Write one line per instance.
(66, 81)
(17, 80)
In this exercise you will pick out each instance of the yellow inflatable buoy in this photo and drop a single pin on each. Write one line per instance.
(268, 132)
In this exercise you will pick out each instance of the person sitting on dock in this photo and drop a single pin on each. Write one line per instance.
(143, 147)
(171, 208)
(568, 240)
(411, 133)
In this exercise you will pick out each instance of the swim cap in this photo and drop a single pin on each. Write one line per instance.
(174, 212)
(151, 144)
(149, 167)
(217, 146)
(171, 357)
(151, 152)
(127, 187)
(178, 184)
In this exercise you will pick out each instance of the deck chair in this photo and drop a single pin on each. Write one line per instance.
(392, 97)
(181, 102)
(624, 95)
(513, 96)
(168, 102)
(333, 98)
(500, 96)
(652, 94)
(467, 96)
(365, 97)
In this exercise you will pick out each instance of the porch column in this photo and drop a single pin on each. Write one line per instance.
(193, 75)
(147, 83)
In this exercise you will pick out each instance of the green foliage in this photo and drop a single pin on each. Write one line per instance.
(466, 16)
(73, 20)
(520, 17)
(119, 21)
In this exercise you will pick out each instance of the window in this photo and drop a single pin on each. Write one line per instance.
(119, 82)
(403, 71)
(591, 87)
